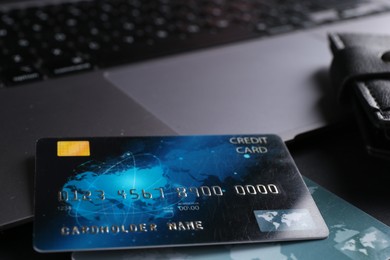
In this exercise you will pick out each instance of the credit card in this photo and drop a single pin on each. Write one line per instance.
(165, 191)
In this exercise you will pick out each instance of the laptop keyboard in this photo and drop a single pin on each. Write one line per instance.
(47, 41)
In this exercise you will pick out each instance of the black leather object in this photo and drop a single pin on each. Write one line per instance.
(360, 71)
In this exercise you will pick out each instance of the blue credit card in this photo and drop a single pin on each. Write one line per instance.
(137, 192)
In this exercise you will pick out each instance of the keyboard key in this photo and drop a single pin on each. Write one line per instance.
(65, 66)
(13, 58)
(18, 75)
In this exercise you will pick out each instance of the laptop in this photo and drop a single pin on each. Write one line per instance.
(173, 68)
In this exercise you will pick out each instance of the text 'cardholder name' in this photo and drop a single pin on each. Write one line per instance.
(137, 192)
